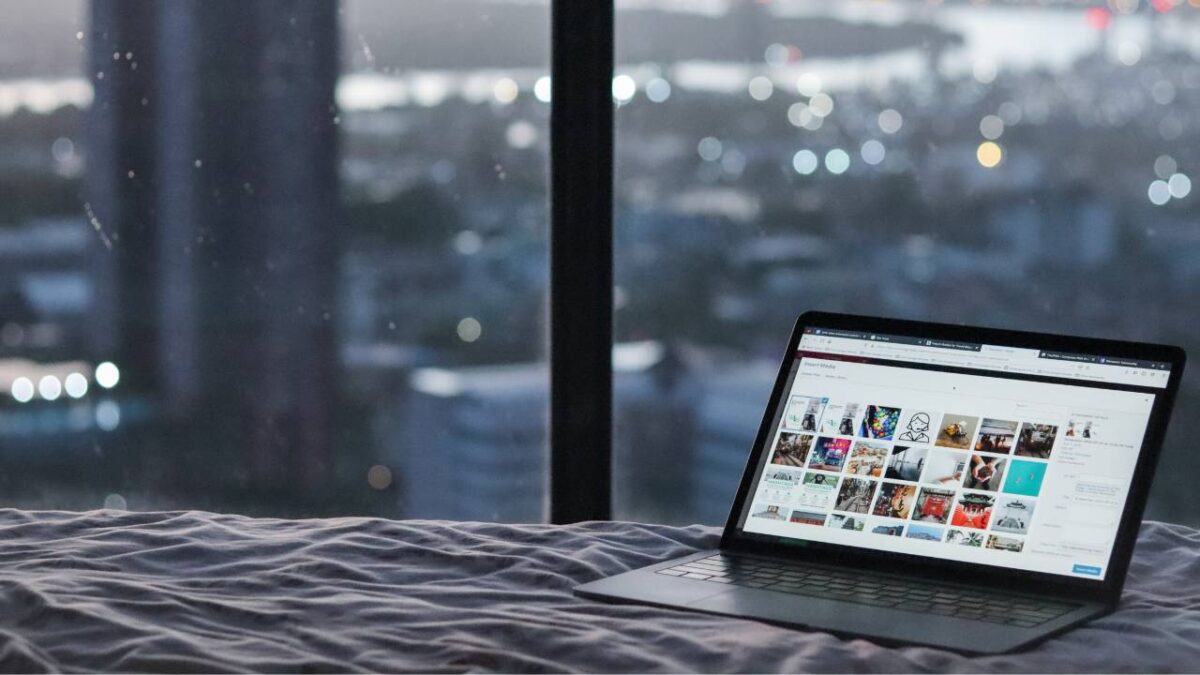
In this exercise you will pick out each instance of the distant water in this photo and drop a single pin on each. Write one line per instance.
(1005, 38)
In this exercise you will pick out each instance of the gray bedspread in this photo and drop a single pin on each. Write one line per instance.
(202, 592)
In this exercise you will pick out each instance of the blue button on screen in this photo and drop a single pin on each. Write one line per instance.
(1086, 569)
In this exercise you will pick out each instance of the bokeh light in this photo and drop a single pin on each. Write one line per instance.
(709, 149)
(379, 477)
(872, 152)
(890, 121)
(837, 161)
(505, 90)
(623, 88)
(50, 387)
(107, 375)
(542, 88)
(1159, 193)
(22, 390)
(1180, 186)
(469, 329)
(658, 90)
(761, 88)
(989, 154)
(76, 385)
(805, 162)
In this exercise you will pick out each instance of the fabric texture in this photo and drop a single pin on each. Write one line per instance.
(117, 591)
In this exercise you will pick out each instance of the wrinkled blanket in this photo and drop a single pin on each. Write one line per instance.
(194, 591)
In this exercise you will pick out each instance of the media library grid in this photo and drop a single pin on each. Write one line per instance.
(928, 475)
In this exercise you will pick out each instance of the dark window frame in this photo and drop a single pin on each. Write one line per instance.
(581, 262)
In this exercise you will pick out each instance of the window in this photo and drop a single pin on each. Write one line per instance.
(235, 278)
(1020, 165)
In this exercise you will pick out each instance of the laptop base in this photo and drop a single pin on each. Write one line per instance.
(884, 625)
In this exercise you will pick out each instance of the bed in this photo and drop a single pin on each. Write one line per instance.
(192, 591)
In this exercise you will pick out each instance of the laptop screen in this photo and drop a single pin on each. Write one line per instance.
(979, 453)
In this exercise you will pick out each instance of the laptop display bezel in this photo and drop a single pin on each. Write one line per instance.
(1107, 590)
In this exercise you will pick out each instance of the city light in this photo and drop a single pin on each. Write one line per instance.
(107, 375)
(22, 390)
(379, 477)
(1129, 53)
(1165, 166)
(984, 71)
(761, 88)
(1159, 193)
(777, 55)
(1180, 186)
(837, 161)
(799, 115)
(991, 127)
(521, 135)
(108, 415)
(821, 105)
(805, 162)
(506, 90)
(872, 152)
(890, 121)
(989, 154)
(469, 329)
(809, 84)
(658, 90)
(76, 385)
(50, 387)
(623, 88)
(542, 88)
(468, 242)
(709, 149)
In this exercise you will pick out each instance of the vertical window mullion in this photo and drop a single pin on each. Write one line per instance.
(581, 265)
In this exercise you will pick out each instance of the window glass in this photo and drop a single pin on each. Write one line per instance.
(1020, 165)
(302, 273)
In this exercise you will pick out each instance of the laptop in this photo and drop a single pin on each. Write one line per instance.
(970, 489)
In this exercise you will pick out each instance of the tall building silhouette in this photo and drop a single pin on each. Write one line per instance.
(228, 244)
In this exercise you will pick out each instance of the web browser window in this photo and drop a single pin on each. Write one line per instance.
(1020, 458)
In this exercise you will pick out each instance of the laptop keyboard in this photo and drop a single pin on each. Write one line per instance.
(865, 588)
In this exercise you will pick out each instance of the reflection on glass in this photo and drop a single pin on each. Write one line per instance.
(300, 273)
(1013, 164)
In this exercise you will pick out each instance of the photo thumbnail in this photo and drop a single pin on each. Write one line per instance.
(906, 462)
(770, 512)
(887, 527)
(946, 468)
(973, 510)
(1005, 543)
(965, 538)
(791, 449)
(808, 517)
(934, 505)
(867, 459)
(1025, 478)
(829, 454)
(1013, 514)
(996, 436)
(895, 500)
(879, 422)
(803, 412)
(985, 472)
(844, 522)
(956, 431)
(817, 490)
(855, 495)
(1036, 440)
(841, 419)
(924, 532)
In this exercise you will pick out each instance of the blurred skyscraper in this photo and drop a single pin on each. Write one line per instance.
(212, 178)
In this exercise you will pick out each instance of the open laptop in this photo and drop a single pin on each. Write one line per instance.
(914, 483)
